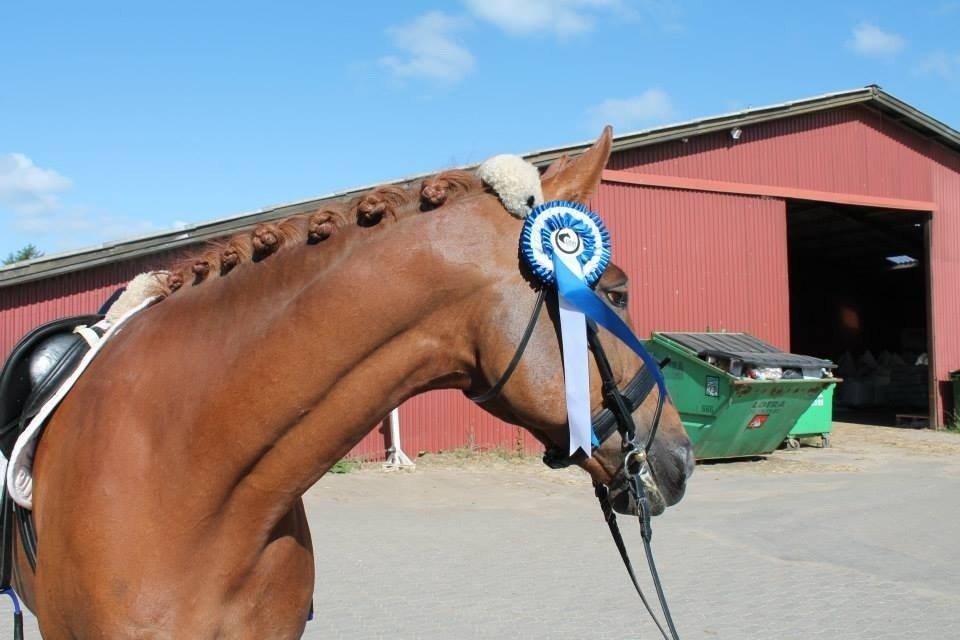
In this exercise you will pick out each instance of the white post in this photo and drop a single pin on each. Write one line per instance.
(396, 458)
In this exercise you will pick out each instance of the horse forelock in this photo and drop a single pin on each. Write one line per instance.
(218, 258)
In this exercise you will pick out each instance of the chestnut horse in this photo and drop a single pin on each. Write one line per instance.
(168, 484)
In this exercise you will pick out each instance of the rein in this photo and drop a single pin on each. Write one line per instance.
(616, 415)
(635, 466)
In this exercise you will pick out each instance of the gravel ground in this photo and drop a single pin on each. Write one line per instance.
(861, 540)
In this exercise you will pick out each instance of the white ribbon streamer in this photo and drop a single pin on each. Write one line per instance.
(576, 369)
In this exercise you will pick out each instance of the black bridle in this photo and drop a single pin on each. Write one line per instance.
(615, 416)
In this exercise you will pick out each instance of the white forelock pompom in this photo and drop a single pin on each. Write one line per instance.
(515, 180)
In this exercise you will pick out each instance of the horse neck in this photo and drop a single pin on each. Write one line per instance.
(314, 359)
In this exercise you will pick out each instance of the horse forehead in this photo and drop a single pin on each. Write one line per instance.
(613, 275)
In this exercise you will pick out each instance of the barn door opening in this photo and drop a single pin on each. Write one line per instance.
(859, 296)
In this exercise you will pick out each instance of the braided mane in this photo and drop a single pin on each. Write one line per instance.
(218, 258)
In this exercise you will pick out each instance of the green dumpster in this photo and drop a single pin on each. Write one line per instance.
(955, 379)
(815, 421)
(726, 412)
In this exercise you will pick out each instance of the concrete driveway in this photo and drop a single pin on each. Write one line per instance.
(858, 541)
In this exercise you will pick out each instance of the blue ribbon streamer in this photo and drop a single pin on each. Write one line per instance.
(580, 296)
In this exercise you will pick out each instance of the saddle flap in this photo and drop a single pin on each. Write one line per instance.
(17, 392)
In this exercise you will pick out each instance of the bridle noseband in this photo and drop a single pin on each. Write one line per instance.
(615, 416)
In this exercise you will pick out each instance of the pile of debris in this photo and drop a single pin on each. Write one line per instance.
(745, 356)
(891, 380)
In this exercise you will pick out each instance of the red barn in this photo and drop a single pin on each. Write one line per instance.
(828, 226)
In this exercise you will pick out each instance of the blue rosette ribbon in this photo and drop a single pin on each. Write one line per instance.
(566, 245)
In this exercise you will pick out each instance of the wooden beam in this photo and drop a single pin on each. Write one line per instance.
(772, 191)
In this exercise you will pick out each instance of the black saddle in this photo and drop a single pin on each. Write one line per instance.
(20, 397)
(22, 394)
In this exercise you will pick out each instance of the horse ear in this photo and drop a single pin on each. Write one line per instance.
(576, 180)
(555, 167)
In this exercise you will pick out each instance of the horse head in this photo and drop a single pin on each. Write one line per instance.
(533, 396)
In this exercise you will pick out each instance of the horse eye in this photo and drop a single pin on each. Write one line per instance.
(617, 298)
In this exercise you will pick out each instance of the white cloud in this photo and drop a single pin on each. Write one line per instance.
(561, 17)
(940, 63)
(653, 106)
(75, 227)
(31, 196)
(26, 188)
(871, 40)
(429, 48)
(70, 225)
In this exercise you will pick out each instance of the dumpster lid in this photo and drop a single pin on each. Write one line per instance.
(743, 346)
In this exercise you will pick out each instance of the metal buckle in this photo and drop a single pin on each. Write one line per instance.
(643, 506)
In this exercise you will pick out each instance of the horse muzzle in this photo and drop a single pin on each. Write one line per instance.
(624, 502)
(663, 477)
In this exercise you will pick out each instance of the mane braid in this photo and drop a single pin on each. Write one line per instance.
(233, 252)
(322, 224)
(269, 237)
(436, 190)
(382, 201)
(217, 258)
(206, 263)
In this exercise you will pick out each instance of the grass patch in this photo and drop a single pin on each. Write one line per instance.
(952, 423)
(471, 451)
(345, 466)
(463, 453)
(477, 453)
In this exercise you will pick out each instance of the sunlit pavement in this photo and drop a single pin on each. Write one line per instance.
(858, 541)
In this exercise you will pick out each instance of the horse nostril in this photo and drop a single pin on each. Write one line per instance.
(679, 466)
(691, 461)
(687, 462)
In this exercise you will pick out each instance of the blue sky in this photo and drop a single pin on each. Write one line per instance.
(124, 118)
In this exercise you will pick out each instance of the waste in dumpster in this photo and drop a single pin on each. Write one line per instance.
(726, 411)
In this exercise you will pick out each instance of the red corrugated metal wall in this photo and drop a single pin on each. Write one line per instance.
(701, 261)
(945, 262)
(696, 259)
(852, 150)
(28, 305)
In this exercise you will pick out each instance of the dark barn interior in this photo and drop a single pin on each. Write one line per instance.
(858, 296)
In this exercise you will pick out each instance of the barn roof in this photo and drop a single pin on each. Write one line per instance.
(870, 96)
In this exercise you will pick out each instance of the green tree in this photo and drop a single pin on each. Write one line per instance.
(26, 253)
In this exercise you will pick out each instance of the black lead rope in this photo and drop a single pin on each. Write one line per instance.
(646, 534)
(634, 460)
(611, 519)
(602, 493)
